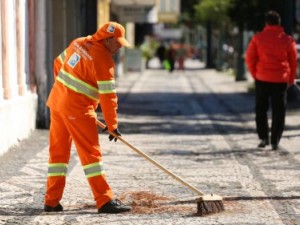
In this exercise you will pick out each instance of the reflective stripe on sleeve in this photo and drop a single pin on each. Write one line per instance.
(62, 56)
(94, 169)
(78, 85)
(106, 87)
(57, 169)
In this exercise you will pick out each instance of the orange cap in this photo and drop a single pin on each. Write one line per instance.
(111, 29)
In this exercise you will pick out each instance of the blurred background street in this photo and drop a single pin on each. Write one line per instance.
(200, 125)
(197, 118)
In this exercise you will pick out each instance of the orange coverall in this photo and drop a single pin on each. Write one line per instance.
(84, 75)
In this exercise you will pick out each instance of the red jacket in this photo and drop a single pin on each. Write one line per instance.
(272, 56)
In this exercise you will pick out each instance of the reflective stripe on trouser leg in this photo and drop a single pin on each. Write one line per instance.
(94, 169)
(55, 183)
(59, 155)
(84, 132)
(95, 174)
(57, 169)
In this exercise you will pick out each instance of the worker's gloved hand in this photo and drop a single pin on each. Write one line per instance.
(111, 137)
(105, 129)
(117, 132)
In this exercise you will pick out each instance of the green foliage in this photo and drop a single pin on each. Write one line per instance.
(187, 15)
(212, 10)
(187, 6)
(250, 14)
(246, 13)
(149, 47)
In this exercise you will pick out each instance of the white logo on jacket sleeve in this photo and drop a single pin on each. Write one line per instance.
(111, 29)
(74, 59)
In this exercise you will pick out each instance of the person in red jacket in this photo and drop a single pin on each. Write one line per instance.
(84, 78)
(271, 58)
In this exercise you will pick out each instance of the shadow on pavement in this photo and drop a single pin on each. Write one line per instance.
(168, 103)
(177, 108)
(253, 198)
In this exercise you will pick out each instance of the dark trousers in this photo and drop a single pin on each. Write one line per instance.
(172, 65)
(266, 93)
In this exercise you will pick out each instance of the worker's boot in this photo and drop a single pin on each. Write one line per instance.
(114, 206)
(57, 208)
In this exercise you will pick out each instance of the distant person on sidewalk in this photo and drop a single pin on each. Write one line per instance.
(171, 57)
(161, 54)
(181, 55)
(271, 58)
(84, 78)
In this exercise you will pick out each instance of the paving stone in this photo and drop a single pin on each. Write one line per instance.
(200, 125)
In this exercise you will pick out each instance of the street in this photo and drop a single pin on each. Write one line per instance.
(200, 124)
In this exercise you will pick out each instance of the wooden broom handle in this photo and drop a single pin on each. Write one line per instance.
(192, 188)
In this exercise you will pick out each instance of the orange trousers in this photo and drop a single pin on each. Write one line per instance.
(83, 131)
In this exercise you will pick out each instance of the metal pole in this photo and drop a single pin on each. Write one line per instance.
(240, 73)
(288, 16)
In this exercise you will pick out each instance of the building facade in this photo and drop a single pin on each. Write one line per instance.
(18, 98)
(34, 32)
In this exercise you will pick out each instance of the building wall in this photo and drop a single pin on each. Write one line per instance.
(32, 34)
(168, 11)
(18, 104)
(103, 14)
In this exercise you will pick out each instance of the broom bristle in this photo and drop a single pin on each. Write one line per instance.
(209, 204)
(209, 207)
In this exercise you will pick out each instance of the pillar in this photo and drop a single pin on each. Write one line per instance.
(21, 46)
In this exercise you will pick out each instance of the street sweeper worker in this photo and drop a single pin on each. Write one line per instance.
(84, 79)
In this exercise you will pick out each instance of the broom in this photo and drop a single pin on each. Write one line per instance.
(206, 204)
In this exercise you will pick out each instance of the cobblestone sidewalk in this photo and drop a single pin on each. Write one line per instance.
(197, 123)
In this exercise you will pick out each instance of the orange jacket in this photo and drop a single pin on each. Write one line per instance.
(84, 75)
(272, 56)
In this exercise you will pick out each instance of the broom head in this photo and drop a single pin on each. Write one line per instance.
(209, 204)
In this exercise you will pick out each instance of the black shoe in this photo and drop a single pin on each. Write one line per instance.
(57, 208)
(263, 143)
(114, 206)
(274, 146)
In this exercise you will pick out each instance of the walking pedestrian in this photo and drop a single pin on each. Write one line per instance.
(84, 78)
(271, 58)
(161, 54)
(171, 57)
(181, 55)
